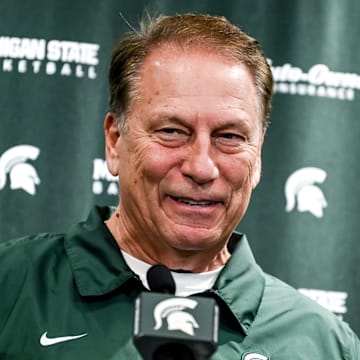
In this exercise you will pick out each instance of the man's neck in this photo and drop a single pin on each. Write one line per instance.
(189, 261)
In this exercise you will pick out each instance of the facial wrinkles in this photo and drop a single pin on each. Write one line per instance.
(232, 192)
(162, 93)
(134, 149)
(231, 115)
(132, 228)
(137, 144)
(241, 192)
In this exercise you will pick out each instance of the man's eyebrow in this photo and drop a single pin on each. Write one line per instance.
(220, 123)
(171, 118)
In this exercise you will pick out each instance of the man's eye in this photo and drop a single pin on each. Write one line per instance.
(170, 131)
(230, 140)
(230, 136)
(172, 136)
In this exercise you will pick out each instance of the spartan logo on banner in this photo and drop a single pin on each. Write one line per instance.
(14, 166)
(301, 189)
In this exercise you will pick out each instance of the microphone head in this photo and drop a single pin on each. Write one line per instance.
(160, 279)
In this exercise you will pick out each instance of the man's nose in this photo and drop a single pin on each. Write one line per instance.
(200, 164)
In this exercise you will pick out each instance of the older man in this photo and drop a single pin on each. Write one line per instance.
(190, 101)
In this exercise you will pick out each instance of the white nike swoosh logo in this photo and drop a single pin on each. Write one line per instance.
(45, 341)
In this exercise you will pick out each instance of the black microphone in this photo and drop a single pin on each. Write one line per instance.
(160, 279)
(169, 327)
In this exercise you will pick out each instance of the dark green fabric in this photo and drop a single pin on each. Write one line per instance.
(78, 283)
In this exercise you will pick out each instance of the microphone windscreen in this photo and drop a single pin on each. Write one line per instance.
(160, 279)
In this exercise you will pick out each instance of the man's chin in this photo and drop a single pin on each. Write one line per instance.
(195, 238)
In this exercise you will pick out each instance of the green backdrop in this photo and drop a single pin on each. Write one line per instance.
(303, 220)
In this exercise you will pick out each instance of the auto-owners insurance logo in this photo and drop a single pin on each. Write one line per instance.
(319, 80)
(50, 57)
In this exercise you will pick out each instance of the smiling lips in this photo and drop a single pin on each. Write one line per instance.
(201, 203)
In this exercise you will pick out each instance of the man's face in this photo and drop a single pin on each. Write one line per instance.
(191, 155)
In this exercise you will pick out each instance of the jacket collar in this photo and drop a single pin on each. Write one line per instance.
(96, 260)
(241, 283)
(99, 267)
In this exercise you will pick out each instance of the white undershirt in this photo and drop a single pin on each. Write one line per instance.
(186, 283)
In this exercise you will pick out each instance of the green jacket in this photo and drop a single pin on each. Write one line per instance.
(55, 285)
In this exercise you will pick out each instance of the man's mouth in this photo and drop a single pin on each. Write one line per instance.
(194, 202)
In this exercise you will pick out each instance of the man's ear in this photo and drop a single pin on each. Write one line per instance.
(257, 167)
(112, 135)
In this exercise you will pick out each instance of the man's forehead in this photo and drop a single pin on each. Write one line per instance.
(167, 66)
(164, 75)
(164, 53)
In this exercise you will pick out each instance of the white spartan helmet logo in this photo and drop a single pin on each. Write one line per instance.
(255, 356)
(22, 175)
(300, 187)
(177, 319)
